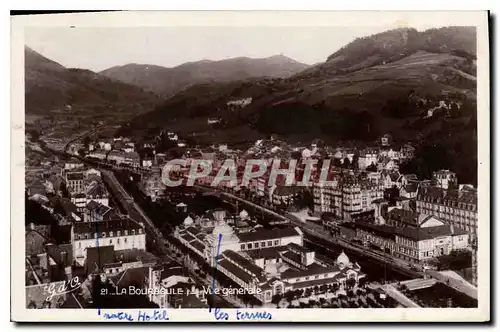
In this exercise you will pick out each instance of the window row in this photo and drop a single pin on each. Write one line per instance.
(111, 234)
(257, 245)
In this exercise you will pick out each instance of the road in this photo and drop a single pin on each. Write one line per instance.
(398, 296)
(458, 285)
(136, 213)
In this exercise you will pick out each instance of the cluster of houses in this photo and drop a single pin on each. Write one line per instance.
(117, 151)
(91, 239)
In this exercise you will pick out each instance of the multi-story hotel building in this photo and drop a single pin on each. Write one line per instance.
(121, 233)
(456, 207)
(412, 236)
(74, 182)
(347, 198)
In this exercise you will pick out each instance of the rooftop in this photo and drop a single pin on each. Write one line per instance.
(113, 225)
(265, 234)
(242, 262)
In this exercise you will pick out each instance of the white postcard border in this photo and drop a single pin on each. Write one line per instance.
(255, 18)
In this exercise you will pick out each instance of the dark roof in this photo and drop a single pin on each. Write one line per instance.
(130, 277)
(407, 217)
(292, 256)
(73, 176)
(92, 205)
(309, 272)
(98, 209)
(171, 269)
(439, 195)
(238, 272)
(295, 247)
(266, 234)
(198, 245)
(394, 176)
(415, 234)
(97, 189)
(193, 230)
(385, 231)
(68, 207)
(266, 253)
(411, 187)
(134, 255)
(242, 262)
(97, 257)
(188, 237)
(113, 225)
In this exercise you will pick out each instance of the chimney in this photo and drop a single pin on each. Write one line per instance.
(31, 226)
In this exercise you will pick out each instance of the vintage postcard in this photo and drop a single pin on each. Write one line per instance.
(251, 166)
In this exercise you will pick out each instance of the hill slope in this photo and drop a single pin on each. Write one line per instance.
(50, 87)
(395, 82)
(168, 81)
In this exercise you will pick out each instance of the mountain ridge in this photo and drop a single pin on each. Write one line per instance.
(166, 81)
(49, 87)
(361, 92)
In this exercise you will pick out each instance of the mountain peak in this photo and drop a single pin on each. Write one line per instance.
(36, 60)
(168, 81)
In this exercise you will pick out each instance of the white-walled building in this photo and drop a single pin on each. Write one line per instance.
(121, 233)
(366, 158)
(412, 236)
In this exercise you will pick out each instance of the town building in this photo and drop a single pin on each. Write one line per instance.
(73, 163)
(412, 236)
(74, 182)
(367, 157)
(98, 154)
(121, 233)
(406, 153)
(121, 157)
(386, 140)
(456, 207)
(240, 102)
(273, 261)
(445, 179)
(348, 198)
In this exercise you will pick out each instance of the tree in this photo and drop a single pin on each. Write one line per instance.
(456, 260)
(276, 299)
(355, 159)
(289, 295)
(35, 135)
(346, 163)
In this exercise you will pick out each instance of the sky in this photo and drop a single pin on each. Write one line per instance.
(100, 48)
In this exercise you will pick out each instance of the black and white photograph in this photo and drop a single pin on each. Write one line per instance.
(286, 168)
